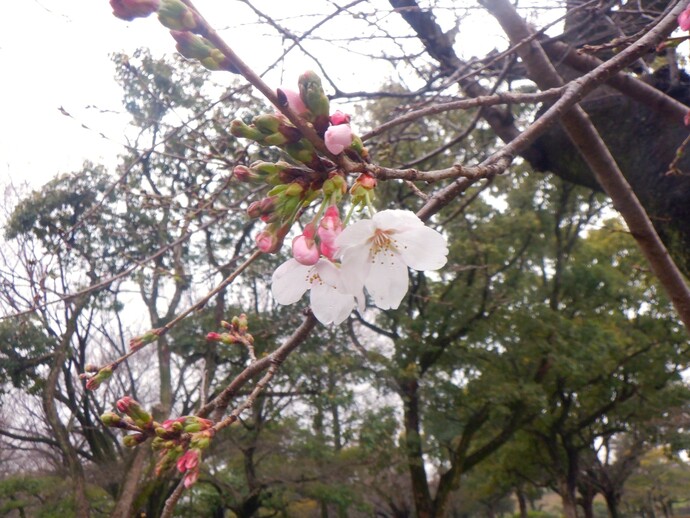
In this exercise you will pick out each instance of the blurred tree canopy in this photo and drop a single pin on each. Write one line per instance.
(546, 357)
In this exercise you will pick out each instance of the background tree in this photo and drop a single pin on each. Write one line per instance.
(545, 329)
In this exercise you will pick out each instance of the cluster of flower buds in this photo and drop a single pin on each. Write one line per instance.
(136, 420)
(236, 332)
(95, 377)
(184, 24)
(180, 441)
(310, 175)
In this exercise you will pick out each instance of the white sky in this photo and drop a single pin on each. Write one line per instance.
(55, 53)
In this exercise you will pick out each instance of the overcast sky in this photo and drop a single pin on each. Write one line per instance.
(55, 61)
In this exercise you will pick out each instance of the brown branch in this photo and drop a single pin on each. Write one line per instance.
(590, 145)
(221, 402)
(464, 104)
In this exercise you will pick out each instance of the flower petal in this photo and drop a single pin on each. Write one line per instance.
(387, 282)
(329, 305)
(290, 281)
(396, 219)
(356, 234)
(422, 248)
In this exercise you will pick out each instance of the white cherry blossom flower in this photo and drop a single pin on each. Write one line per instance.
(328, 298)
(375, 254)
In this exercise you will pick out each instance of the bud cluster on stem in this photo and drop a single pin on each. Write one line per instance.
(308, 175)
(180, 441)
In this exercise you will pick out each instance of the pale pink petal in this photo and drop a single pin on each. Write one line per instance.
(329, 305)
(387, 282)
(290, 281)
(294, 100)
(337, 138)
(355, 265)
(357, 234)
(396, 219)
(422, 248)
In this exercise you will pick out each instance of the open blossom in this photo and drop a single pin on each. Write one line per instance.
(375, 253)
(337, 138)
(327, 296)
(684, 19)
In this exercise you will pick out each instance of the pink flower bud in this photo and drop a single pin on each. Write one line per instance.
(339, 117)
(337, 138)
(123, 404)
(684, 19)
(365, 181)
(328, 250)
(190, 478)
(130, 9)
(294, 100)
(304, 250)
(330, 227)
(188, 461)
(214, 337)
(270, 240)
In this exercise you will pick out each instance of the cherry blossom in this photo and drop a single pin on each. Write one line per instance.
(328, 298)
(375, 254)
(684, 19)
(337, 138)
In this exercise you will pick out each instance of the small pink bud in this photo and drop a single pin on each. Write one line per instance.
(337, 138)
(188, 461)
(190, 478)
(243, 173)
(330, 228)
(214, 337)
(270, 240)
(339, 118)
(366, 181)
(304, 250)
(294, 101)
(328, 250)
(684, 19)
(123, 404)
(130, 9)
(266, 242)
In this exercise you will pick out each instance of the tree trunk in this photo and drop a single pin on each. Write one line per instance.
(612, 503)
(76, 472)
(522, 503)
(568, 500)
(128, 492)
(414, 451)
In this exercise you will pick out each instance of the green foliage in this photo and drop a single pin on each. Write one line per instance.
(24, 348)
(47, 497)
